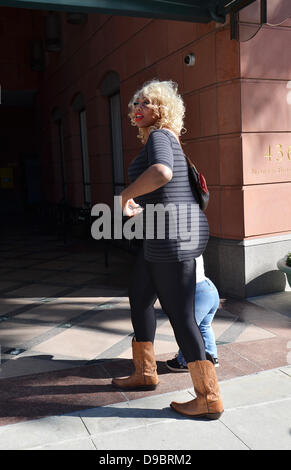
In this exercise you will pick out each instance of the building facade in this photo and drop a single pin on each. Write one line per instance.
(66, 134)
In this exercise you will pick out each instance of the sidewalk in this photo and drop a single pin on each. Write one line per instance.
(257, 416)
(65, 331)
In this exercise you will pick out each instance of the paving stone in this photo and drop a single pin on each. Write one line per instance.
(31, 275)
(36, 291)
(265, 354)
(54, 312)
(70, 278)
(263, 426)
(18, 275)
(74, 444)
(58, 264)
(41, 432)
(182, 434)
(109, 418)
(257, 315)
(286, 369)
(168, 346)
(97, 258)
(65, 391)
(220, 325)
(233, 363)
(5, 285)
(157, 408)
(40, 254)
(10, 305)
(82, 342)
(14, 334)
(253, 333)
(104, 293)
(29, 363)
(131, 414)
(18, 263)
(279, 302)
(256, 388)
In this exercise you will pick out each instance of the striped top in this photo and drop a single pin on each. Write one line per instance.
(174, 227)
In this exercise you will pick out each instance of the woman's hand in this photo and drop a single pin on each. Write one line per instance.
(130, 208)
(154, 177)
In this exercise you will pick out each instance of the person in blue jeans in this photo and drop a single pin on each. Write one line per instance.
(206, 305)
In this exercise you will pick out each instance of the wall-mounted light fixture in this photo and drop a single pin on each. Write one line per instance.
(76, 17)
(53, 32)
(37, 59)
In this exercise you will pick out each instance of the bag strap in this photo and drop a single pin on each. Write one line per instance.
(190, 163)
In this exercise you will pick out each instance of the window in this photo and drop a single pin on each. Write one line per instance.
(79, 106)
(56, 114)
(116, 143)
(110, 87)
(85, 157)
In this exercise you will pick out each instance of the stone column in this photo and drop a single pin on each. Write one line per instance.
(253, 201)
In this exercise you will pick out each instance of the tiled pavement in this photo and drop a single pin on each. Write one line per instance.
(65, 329)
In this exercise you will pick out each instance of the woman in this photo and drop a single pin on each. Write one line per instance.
(165, 268)
(205, 306)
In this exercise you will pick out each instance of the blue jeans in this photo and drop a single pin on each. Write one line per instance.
(206, 305)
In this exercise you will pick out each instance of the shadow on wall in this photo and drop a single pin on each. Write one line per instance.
(269, 282)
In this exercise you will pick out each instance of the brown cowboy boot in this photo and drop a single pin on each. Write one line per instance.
(145, 376)
(208, 402)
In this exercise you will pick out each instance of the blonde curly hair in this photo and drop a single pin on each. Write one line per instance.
(166, 102)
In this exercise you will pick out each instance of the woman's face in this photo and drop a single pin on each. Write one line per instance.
(144, 113)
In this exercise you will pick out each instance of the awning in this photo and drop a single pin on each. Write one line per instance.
(199, 11)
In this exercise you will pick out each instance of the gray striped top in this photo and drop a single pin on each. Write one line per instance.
(174, 227)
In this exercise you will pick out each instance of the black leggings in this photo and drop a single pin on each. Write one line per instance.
(173, 284)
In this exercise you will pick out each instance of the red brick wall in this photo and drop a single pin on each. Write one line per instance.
(233, 95)
(138, 50)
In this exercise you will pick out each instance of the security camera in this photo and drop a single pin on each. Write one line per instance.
(189, 59)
